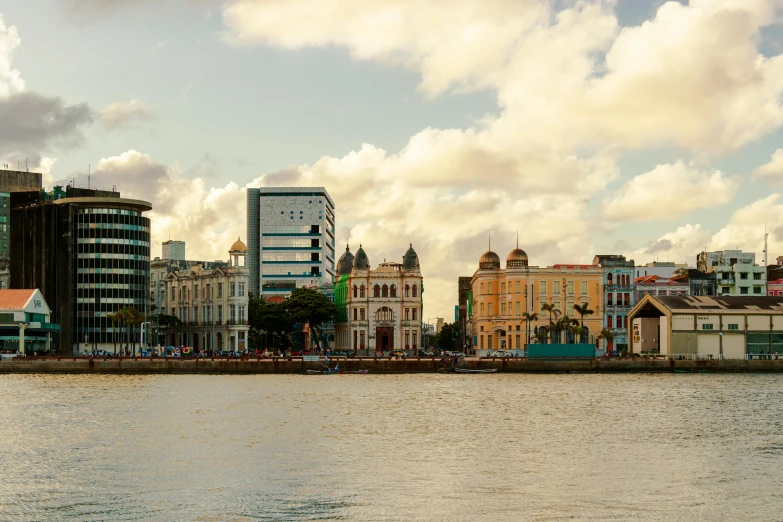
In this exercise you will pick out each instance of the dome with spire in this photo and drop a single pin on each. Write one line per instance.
(238, 246)
(360, 261)
(489, 260)
(410, 261)
(345, 263)
(517, 258)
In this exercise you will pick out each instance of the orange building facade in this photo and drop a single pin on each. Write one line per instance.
(501, 296)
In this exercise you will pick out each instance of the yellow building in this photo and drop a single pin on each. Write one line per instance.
(500, 297)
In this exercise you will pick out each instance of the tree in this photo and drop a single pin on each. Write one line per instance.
(306, 305)
(447, 337)
(267, 318)
(529, 319)
(583, 310)
(605, 334)
(550, 309)
(116, 318)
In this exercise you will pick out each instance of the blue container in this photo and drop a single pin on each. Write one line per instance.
(539, 351)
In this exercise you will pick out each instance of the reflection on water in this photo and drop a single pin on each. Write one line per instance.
(408, 447)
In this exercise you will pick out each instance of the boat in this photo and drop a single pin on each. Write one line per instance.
(339, 372)
(467, 370)
(691, 370)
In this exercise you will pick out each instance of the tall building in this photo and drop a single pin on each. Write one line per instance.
(209, 298)
(619, 297)
(11, 181)
(464, 297)
(736, 272)
(290, 239)
(381, 309)
(502, 296)
(173, 250)
(88, 252)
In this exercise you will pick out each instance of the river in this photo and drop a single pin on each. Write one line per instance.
(392, 447)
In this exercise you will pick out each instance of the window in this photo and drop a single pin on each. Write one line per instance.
(482, 289)
(489, 289)
(220, 314)
(756, 289)
(361, 314)
(555, 289)
(414, 314)
(241, 289)
(619, 321)
(355, 314)
(489, 341)
(542, 287)
(408, 290)
(743, 275)
(385, 291)
(355, 291)
(407, 314)
(195, 289)
(232, 313)
(517, 286)
(502, 288)
(361, 340)
(376, 291)
(733, 326)
(570, 287)
(757, 276)
(609, 322)
(518, 308)
(489, 308)
(481, 342)
(241, 313)
(583, 287)
(502, 308)
(416, 289)
(384, 314)
(361, 291)
(482, 308)
(232, 290)
(707, 326)
(220, 289)
(355, 334)
(725, 289)
(393, 291)
(744, 290)
(609, 299)
(609, 279)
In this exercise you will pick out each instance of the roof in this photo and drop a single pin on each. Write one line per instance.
(722, 303)
(14, 299)
(573, 266)
(238, 246)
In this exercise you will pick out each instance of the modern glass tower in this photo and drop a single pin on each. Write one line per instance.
(290, 233)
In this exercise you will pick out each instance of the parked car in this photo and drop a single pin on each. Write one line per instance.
(424, 353)
(501, 353)
(343, 353)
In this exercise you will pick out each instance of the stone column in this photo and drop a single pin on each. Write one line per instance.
(22, 327)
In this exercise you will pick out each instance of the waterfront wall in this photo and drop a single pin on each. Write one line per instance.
(129, 365)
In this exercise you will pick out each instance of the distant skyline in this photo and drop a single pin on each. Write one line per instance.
(638, 127)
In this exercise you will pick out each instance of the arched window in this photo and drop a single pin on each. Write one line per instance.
(385, 291)
(384, 314)
(407, 291)
(415, 290)
(355, 291)
(361, 291)
(393, 291)
(376, 291)
(609, 279)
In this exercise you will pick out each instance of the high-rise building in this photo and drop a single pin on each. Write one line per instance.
(88, 252)
(11, 181)
(173, 250)
(290, 238)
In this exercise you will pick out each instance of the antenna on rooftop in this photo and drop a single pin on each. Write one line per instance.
(89, 174)
(765, 244)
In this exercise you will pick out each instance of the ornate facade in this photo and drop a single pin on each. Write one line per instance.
(500, 297)
(381, 309)
(211, 302)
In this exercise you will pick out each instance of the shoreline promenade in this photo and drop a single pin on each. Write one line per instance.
(296, 365)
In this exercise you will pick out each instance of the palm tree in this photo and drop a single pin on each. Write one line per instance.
(583, 310)
(550, 309)
(606, 334)
(529, 319)
(116, 318)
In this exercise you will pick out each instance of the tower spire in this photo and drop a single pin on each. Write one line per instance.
(517, 238)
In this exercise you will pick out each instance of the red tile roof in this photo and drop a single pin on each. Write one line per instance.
(14, 299)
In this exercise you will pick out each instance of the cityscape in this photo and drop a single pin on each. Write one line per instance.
(398, 260)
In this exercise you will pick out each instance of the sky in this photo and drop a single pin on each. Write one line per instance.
(638, 127)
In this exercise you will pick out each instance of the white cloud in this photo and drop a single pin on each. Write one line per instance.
(10, 79)
(680, 246)
(669, 191)
(119, 114)
(773, 169)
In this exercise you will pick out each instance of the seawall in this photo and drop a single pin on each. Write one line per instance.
(158, 365)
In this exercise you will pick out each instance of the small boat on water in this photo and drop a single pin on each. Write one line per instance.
(467, 370)
(339, 372)
(690, 370)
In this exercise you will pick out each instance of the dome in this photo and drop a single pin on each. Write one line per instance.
(489, 260)
(410, 261)
(345, 263)
(238, 246)
(516, 258)
(360, 262)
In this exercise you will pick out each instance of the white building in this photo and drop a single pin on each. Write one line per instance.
(173, 250)
(704, 326)
(290, 239)
(210, 300)
(736, 272)
(663, 269)
(24, 322)
(383, 307)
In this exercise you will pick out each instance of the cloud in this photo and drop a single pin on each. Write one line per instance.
(10, 79)
(680, 246)
(662, 245)
(773, 169)
(669, 191)
(119, 114)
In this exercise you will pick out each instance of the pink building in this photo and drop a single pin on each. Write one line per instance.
(775, 287)
(657, 285)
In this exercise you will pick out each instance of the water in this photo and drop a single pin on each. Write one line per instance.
(407, 447)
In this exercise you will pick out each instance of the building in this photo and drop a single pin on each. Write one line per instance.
(660, 268)
(464, 310)
(775, 287)
(210, 300)
(11, 181)
(290, 239)
(88, 251)
(656, 285)
(24, 322)
(708, 327)
(500, 297)
(173, 250)
(619, 297)
(736, 272)
(382, 308)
